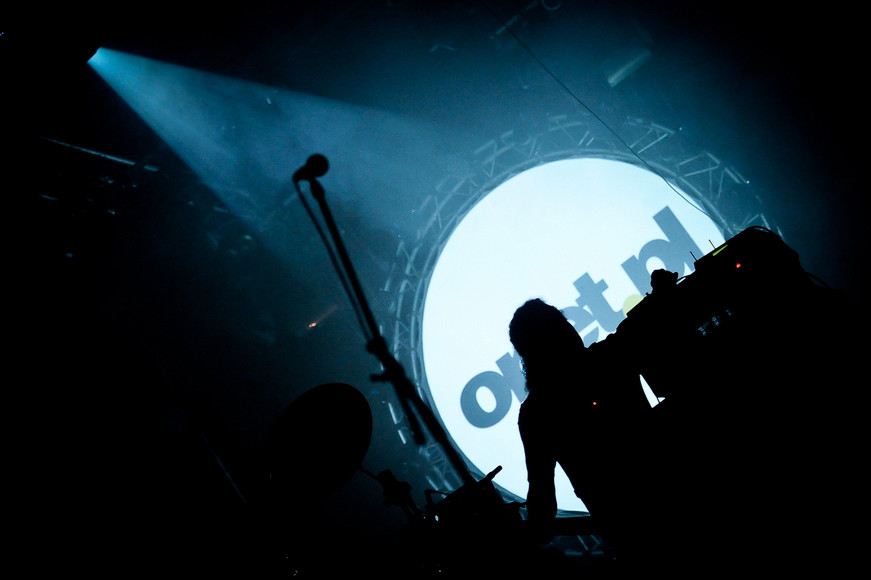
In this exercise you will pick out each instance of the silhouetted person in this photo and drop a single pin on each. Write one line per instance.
(581, 410)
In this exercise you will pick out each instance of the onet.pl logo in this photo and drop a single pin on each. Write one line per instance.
(582, 234)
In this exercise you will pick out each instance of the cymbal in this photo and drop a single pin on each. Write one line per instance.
(319, 441)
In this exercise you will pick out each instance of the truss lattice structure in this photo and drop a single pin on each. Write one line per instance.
(716, 188)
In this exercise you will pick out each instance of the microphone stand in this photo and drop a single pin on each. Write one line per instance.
(393, 371)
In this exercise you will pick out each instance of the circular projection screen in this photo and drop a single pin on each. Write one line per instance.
(566, 216)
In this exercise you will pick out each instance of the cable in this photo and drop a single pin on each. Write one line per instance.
(506, 26)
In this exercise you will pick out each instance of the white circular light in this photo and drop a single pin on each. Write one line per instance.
(582, 234)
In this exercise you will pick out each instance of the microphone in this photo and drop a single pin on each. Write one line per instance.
(316, 166)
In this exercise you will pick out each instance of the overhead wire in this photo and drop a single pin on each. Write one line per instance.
(507, 26)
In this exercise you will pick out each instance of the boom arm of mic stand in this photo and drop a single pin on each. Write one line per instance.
(393, 371)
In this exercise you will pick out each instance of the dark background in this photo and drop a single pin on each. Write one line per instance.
(155, 344)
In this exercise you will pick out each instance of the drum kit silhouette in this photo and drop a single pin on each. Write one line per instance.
(473, 529)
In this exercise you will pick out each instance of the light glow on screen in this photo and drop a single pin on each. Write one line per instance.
(571, 228)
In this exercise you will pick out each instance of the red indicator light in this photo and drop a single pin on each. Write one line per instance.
(595, 403)
(737, 264)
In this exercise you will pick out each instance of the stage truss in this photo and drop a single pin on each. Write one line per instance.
(718, 189)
